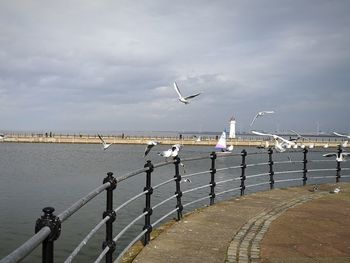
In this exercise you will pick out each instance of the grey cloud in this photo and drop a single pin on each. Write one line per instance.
(112, 63)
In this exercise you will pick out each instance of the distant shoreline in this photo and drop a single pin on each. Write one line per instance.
(167, 140)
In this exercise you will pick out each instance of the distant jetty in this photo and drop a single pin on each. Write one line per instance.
(244, 141)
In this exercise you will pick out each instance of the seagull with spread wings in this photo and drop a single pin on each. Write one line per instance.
(281, 144)
(311, 145)
(149, 146)
(104, 144)
(182, 98)
(172, 152)
(259, 114)
(342, 135)
(338, 157)
(344, 144)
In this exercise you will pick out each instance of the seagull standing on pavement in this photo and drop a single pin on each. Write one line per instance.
(104, 144)
(335, 190)
(182, 98)
(259, 114)
(149, 146)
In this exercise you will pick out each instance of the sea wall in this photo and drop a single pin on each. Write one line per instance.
(93, 139)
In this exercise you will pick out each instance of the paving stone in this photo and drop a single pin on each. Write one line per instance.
(239, 231)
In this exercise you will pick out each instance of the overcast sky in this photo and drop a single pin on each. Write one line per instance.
(110, 65)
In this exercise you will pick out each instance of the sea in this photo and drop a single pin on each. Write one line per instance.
(34, 176)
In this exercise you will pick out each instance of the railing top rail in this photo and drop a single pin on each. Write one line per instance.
(27, 247)
(81, 202)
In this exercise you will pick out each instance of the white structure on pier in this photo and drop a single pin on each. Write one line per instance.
(232, 128)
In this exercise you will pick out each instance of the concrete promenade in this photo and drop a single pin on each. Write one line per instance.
(282, 225)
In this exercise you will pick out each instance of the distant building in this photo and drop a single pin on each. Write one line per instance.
(232, 128)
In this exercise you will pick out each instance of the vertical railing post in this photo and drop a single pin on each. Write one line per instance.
(305, 150)
(148, 208)
(54, 223)
(340, 150)
(212, 178)
(243, 167)
(112, 216)
(271, 172)
(178, 192)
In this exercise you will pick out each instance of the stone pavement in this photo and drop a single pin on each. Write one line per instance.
(282, 225)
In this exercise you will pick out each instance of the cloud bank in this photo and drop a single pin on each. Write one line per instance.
(110, 65)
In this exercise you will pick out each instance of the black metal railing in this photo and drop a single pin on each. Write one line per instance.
(230, 174)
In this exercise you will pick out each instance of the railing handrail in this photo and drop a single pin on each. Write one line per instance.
(109, 217)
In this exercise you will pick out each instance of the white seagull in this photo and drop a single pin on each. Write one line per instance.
(266, 146)
(311, 145)
(184, 99)
(335, 190)
(149, 146)
(261, 113)
(104, 144)
(172, 152)
(342, 135)
(344, 144)
(281, 144)
(338, 158)
(186, 180)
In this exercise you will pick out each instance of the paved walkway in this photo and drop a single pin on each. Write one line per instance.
(282, 225)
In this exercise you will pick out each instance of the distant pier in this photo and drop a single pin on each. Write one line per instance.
(244, 141)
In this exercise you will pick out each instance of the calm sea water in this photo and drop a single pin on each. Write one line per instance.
(33, 176)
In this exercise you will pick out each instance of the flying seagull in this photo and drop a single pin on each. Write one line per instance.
(104, 144)
(342, 135)
(311, 145)
(184, 99)
(281, 144)
(186, 180)
(149, 146)
(344, 144)
(259, 114)
(338, 157)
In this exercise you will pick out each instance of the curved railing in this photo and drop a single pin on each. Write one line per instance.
(229, 174)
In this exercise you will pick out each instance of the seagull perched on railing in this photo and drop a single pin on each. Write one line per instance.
(259, 114)
(104, 144)
(172, 152)
(281, 144)
(182, 98)
(149, 146)
(339, 157)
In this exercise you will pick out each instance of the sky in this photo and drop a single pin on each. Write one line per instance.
(99, 66)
